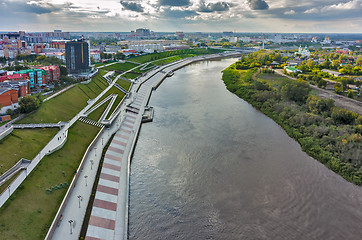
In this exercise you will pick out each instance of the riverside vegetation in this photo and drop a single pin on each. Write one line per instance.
(330, 134)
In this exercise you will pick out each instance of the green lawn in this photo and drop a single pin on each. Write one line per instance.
(30, 211)
(121, 66)
(275, 80)
(131, 75)
(24, 143)
(156, 56)
(113, 90)
(66, 105)
(96, 114)
(124, 83)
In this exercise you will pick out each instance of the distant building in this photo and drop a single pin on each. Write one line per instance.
(292, 70)
(77, 56)
(175, 47)
(227, 34)
(304, 52)
(180, 35)
(96, 55)
(42, 37)
(38, 48)
(343, 51)
(334, 73)
(143, 32)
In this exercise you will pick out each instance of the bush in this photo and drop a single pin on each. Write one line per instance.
(28, 104)
(296, 91)
(343, 116)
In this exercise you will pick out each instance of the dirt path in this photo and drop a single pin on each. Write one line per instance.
(341, 101)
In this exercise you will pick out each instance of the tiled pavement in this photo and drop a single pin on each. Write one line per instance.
(106, 210)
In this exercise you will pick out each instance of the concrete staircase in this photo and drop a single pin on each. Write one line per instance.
(91, 122)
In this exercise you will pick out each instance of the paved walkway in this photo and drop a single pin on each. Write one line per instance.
(109, 216)
(59, 92)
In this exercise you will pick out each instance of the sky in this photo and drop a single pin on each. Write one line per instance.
(294, 16)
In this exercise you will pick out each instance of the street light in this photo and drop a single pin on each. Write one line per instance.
(79, 198)
(70, 225)
(85, 177)
(92, 162)
(95, 152)
(102, 141)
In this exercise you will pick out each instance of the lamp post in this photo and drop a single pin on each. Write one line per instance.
(70, 225)
(95, 152)
(79, 198)
(92, 162)
(102, 141)
(85, 177)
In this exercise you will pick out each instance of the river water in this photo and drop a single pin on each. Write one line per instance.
(210, 166)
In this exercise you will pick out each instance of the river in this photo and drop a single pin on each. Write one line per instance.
(210, 166)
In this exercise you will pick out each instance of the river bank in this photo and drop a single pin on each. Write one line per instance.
(210, 166)
(330, 134)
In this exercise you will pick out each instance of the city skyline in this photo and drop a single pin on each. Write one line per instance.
(330, 16)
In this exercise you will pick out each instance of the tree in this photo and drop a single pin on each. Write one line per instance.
(63, 71)
(350, 94)
(322, 83)
(297, 91)
(28, 104)
(344, 84)
(338, 88)
(343, 116)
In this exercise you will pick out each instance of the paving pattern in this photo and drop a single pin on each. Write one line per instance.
(91, 122)
(102, 223)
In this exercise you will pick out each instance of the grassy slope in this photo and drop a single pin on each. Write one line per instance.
(131, 75)
(96, 114)
(66, 105)
(25, 143)
(121, 66)
(123, 83)
(30, 211)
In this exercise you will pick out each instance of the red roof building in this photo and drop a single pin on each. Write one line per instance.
(14, 78)
(52, 73)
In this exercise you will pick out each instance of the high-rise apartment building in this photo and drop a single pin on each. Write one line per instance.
(77, 56)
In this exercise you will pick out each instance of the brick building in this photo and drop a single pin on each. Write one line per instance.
(14, 78)
(52, 74)
(8, 99)
(11, 92)
(36, 77)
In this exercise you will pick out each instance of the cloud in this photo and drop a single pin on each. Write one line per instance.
(291, 12)
(214, 7)
(168, 13)
(258, 4)
(31, 7)
(352, 5)
(311, 11)
(174, 3)
(132, 6)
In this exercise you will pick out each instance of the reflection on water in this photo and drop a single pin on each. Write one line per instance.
(212, 167)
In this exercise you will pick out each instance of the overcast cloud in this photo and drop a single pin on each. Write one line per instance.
(182, 15)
